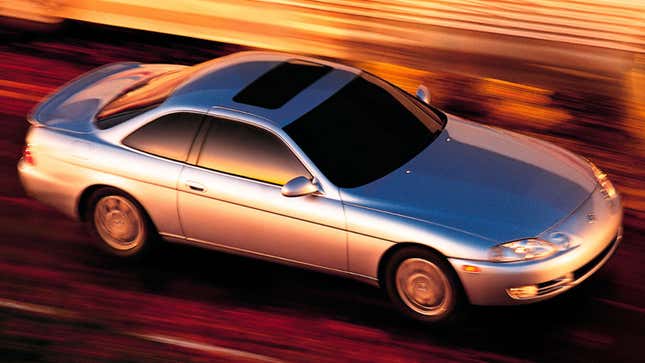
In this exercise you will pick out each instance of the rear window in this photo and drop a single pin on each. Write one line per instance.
(141, 97)
(121, 117)
(280, 84)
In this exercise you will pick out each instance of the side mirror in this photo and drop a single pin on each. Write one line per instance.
(299, 186)
(423, 93)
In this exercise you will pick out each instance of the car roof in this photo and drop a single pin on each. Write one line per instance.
(218, 82)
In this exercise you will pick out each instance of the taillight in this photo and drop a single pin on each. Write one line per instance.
(27, 155)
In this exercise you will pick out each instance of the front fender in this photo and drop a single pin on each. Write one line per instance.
(370, 233)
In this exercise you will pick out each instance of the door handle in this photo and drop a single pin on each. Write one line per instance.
(198, 187)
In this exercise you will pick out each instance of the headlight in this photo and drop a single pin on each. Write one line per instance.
(533, 248)
(526, 249)
(606, 187)
(563, 241)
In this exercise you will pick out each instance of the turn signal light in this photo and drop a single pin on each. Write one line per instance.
(470, 268)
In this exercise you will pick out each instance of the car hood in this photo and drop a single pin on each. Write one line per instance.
(493, 183)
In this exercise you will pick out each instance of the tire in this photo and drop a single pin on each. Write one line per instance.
(118, 224)
(423, 286)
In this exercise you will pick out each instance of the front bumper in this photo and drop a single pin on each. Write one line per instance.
(554, 275)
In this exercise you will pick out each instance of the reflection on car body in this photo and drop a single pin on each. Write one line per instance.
(324, 166)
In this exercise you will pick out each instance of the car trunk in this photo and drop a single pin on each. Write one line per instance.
(74, 106)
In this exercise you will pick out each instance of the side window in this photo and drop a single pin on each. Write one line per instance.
(170, 136)
(244, 150)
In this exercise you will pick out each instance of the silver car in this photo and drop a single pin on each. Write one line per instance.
(323, 166)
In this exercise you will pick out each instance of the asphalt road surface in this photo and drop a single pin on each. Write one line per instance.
(62, 301)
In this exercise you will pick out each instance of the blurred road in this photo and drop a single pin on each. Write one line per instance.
(61, 301)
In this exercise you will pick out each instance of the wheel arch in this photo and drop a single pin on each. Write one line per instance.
(385, 257)
(404, 245)
(84, 198)
(86, 195)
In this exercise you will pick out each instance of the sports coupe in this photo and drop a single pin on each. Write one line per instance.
(324, 166)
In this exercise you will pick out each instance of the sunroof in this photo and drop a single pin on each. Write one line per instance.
(280, 84)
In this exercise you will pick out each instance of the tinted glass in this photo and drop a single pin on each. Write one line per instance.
(170, 136)
(142, 96)
(364, 131)
(245, 150)
(122, 117)
(280, 84)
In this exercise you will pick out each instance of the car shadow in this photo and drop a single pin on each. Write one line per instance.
(207, 276)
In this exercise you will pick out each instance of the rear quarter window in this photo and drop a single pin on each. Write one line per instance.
(169, 136)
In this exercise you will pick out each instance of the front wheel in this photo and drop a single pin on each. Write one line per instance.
(423, 286)
(118, 223)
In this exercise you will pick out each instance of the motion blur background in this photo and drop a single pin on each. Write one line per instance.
(571, 72)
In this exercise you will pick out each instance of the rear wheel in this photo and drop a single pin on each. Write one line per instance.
(118, 223)
(423, 286)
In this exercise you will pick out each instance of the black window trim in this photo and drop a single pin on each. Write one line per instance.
(206, 128)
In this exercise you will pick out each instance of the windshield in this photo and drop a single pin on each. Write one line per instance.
(365, 131)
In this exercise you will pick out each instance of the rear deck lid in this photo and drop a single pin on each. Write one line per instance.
(74, 106)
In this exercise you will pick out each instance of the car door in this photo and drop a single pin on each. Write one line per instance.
(231, 197)
(160, 149)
